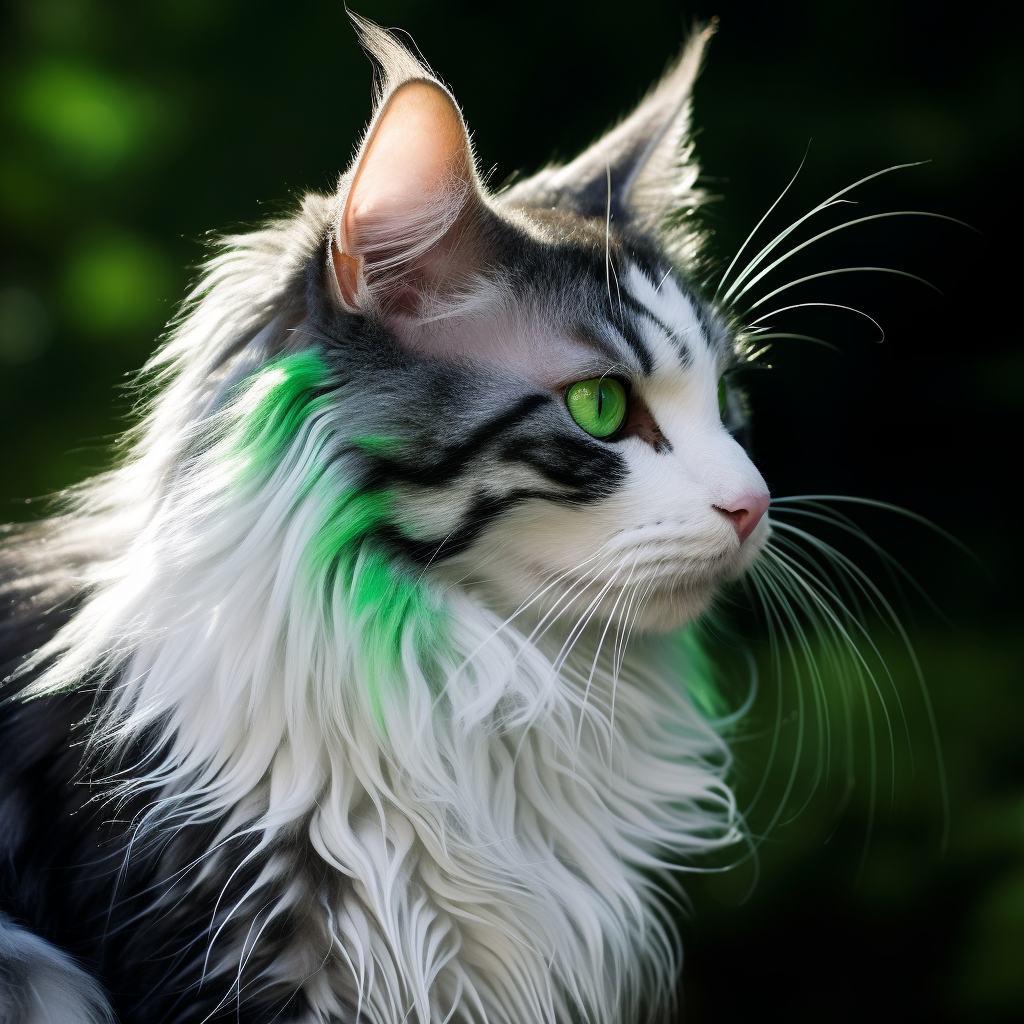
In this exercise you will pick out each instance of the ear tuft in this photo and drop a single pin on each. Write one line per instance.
(393, 61)
(647, 156)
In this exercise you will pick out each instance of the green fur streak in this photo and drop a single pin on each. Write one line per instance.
(376, 445)
(699, 677)
(276, 402)
(384, 602)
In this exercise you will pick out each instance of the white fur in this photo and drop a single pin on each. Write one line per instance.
(500, 842)
(503, 821)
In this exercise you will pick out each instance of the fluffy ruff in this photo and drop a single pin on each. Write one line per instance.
(480, 829)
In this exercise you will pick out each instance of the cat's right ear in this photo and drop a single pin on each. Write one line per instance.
(411, 191)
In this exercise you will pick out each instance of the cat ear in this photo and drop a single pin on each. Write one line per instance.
(642, 168)
(412, 185)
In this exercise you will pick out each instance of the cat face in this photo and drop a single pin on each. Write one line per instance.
(643, 528)
(514, 320)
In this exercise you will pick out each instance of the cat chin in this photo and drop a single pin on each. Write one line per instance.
(536, 598)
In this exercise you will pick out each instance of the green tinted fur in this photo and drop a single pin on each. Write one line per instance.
(700, 675)
(384, 603)
(274, 404)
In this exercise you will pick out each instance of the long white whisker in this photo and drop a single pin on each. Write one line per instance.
(565, 601)
(888, 614)
(608, 236)
(600, 643)
(756, 578)
(828, 305)
(832, 273)
(840, 227)
(824, 514)
(525, 605)
(757, 226)
(817, 690)
(783, 235)
(803, 582)
(887, 507)
(798, 337)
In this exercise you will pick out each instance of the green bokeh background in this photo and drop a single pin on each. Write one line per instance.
(129, 131)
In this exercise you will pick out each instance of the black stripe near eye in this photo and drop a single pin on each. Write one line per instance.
(486, 508)
(591, 469)
(454, 459)
(628, 329)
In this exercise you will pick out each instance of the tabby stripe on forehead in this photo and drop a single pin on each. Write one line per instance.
(640, 310)
(628, 329)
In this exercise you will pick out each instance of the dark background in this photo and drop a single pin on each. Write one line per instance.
(128, 131)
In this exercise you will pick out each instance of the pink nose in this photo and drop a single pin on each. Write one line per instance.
(744, 513)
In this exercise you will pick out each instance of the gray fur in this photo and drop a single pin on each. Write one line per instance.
(41, 985)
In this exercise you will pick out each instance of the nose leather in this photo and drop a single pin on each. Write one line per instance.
(744, 512)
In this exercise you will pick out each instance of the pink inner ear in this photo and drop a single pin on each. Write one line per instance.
(412, 177)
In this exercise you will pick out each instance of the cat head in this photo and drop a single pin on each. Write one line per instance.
(559, 424)
(522, 394)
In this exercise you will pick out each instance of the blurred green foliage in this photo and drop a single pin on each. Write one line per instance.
(128, 131)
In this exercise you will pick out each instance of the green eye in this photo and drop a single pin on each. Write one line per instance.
(598, 405)
(723, 396)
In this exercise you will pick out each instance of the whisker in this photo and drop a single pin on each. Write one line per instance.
(888, 614)
(584, 620)
(843, 523)
(817, 690)
(766, 603)
(809, 584)
(887, 507)
(831, 231)
(831, 273)
(783, 235)
(829, 305)
(811, 597)
(797, 337)
(600, 644)
(757, 226)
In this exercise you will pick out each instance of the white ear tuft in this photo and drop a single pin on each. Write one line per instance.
(394, 63)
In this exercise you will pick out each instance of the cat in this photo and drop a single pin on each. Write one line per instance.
(355, 693)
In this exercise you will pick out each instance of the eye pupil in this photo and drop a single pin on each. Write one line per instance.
(598, 405)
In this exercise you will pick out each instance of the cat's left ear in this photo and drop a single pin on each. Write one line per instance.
(412, 191)
(643, 168)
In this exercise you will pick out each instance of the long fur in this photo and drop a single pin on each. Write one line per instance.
(360, 787)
